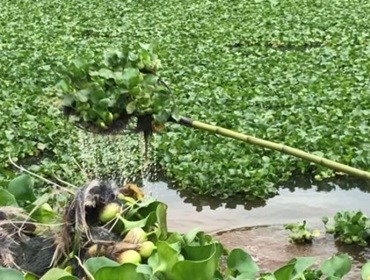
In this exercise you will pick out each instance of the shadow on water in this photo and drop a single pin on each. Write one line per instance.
(301, 198)
(342, 182)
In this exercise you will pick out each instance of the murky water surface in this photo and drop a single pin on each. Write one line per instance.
(258, 226)
(299, 199)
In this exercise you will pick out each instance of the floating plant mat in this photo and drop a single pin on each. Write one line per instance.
(110, 93)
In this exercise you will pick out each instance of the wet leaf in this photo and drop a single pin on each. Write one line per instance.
(365, 271)
(7, 199)
(58, 274)
(10, 274)
(242, 263)
(336, 266)
(22, 188)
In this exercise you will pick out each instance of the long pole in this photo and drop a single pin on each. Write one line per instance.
(275, 146)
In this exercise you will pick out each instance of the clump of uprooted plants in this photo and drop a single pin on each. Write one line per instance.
(104, 94)
(100, 220)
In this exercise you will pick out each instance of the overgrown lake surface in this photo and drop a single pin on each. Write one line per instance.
(290, 71)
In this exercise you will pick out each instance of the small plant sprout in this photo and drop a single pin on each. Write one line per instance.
(300, 233)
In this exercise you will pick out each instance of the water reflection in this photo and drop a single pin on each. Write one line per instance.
(201, 201)
(301, 198)
(296, 183)
(341, 182)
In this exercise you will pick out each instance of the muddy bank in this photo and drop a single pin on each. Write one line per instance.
(270, 248)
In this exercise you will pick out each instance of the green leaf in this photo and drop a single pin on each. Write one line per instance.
(96, 95)
(7, 199)
(106, 73)
(29, 276)
(295, 267)
(10, 274)
(365, 271)
(125, 271)
(337, 266)
(94, 264)
(241, 262)
(164, 259)
(132, 56)
(131, 107)
(22, 188)
(58, 274)
(68, 100)
(83, 95)
(161, 213)
(63, 85)
(284, 272)
(131, 77)
(303, 263)
(44, 214)
(150, 219)
(203, 266)
(144, 269)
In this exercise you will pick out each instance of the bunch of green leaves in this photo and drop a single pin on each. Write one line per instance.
(176, 255)
(350, 227)
(240, 266)
(123, 83)
(20, 193)
(300, 234)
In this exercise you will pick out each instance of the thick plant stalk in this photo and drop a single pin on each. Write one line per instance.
(275, 146)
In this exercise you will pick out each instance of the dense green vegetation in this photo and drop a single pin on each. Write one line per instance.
(290, 71)
(349, 227)
(122, 84)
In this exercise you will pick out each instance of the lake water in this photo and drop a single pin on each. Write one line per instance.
(299, 199)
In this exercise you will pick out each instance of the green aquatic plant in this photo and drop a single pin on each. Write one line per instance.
(300, 234)
(349, 227)
(122, 83)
